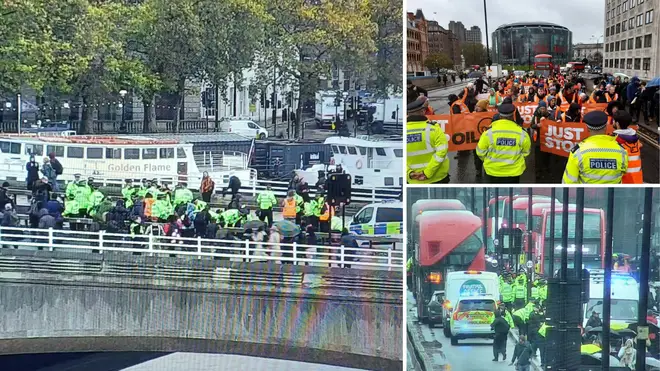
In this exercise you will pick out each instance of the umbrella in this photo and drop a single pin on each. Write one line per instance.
(253, 224)
(475, 74)
(653, 83)
(600, 329)
(287, 228)
(621, 75)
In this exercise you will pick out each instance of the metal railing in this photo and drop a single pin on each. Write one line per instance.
(199, 248)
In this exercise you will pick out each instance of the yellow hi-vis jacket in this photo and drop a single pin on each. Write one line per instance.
(598, 159)
(427, 147)
(503, 149)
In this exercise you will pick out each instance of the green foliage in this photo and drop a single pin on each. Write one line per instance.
(438, 61)
(93, 49)
(474, 53)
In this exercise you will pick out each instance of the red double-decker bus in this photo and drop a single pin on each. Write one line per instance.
(593, 244)
(543, 62)
(449, 240)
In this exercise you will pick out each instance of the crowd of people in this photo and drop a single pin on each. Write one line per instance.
(178, 211)
(502, 156)
(527, 316)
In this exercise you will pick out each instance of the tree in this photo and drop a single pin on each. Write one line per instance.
(438, 61)
(387, 64)
(597, 58)
(305, 39)
(474, 53)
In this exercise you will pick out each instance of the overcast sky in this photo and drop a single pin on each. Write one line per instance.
(583, 18)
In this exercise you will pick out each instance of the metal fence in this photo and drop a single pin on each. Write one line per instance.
(201, 248)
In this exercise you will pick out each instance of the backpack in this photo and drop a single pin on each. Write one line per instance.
(57, 167)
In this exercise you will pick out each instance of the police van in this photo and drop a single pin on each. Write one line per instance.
(465, 284)
(472, 318)
(624, 299)
(382, 219)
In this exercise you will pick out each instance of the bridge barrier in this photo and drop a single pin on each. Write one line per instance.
(250, 251)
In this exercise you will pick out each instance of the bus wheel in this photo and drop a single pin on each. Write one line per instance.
(447, 331)
(454, 341)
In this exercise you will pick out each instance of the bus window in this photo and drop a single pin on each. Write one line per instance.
(57, 150)
(180, 153)
(34, 149)
(149, 153)
(75, 152)
(113, 153)
(94, 152)
(464, 253)
(131, 154)
(166, 152)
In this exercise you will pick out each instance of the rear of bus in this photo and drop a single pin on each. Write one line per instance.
(520, 207)
(593, 245)
(450, 240)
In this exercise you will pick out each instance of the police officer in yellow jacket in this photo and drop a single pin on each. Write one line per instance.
(599, 159)
(503, 148)
(426, 149)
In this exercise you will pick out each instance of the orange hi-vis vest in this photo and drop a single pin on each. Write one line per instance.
(326, 215)
(289, 210)
(522, 98)
(634, 173)
(464, 108)
(574, 100)
(148, 204)
(607, 97)
(465, 94)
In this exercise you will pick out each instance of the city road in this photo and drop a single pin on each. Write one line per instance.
(468, 355)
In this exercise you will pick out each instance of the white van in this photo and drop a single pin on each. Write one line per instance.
(625, 298)
(379, 219)
(246, 128)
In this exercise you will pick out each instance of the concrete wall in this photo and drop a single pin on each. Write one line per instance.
(71, 316)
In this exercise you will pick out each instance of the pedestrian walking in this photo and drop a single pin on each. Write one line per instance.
(501, 329)
(522, 354)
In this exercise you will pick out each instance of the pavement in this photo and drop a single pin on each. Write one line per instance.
(542, 167)
(437, 353)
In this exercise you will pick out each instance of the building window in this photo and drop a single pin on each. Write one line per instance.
(625, 6)
(623, 26)
(616, 46)
(647, 40)
(646, 64)
(630, 43)
(608, 15)
(607, 48)
(618, 28)
(618, 10)
(612, 30)
(638, 42)
(632, 3)
(623, 44)
(623, 61)
(616, 63)
(607, 31)
(638, 63)
(631, 23)
(639, 21)
(629, 63)
(640, 2)
(649, 16)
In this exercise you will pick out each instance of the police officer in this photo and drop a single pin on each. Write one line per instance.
(427, 146)
(599, 159)
(503, 148)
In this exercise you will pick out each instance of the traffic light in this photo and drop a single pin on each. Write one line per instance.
(263, 99)
(273, 99)
(359, 102)
(337, 102)
(205, 99)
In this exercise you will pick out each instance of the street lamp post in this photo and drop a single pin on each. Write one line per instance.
(122, 127)
(488, 61)
(345, 95)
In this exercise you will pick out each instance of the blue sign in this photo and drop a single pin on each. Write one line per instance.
(472, 288)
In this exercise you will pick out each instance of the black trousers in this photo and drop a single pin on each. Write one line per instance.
(499, 345)
(266, 214)
(520, 324)
(443, 181)
(502, 180)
